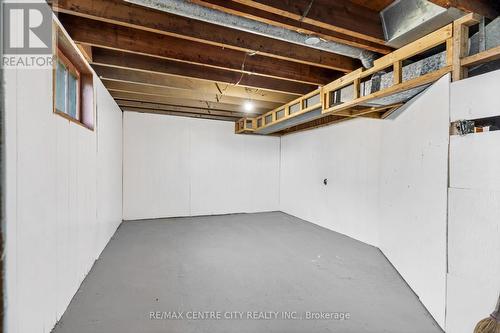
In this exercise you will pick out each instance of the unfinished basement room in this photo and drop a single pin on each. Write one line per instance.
(250, 166)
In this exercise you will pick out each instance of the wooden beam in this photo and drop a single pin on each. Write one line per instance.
(202, 110)
(376, 5)
(340, 15)
(365, 111)
(387, 113)
(487, 8)
(137, 41)
(139, 17)
(118, 59)
(193, 86)
(482, 57)
(146, 89)
(86, 51)
(407, 85)
(180, 108)
(320, 122)
(460, 44)
(196, 103)
(425, 43)
(181, 114)
(263, 16)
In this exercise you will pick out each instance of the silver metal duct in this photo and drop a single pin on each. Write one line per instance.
(201, 13)
(405, 21)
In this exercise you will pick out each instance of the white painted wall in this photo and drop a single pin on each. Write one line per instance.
(348, 155)
(474, 207)
(176, 166)
(63, 198)
(387, 187)
(413, 194)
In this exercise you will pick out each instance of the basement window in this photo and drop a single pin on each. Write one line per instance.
(67, 90)
(73, 82)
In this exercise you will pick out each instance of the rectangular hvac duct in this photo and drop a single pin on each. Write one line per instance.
(405, 21)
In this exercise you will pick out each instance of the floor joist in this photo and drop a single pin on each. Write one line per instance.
(131, 61)
(125, 14)
(121, 38)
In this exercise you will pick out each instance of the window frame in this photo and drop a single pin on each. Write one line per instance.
(73, 70)
(69, 54)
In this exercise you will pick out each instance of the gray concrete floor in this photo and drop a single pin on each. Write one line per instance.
(265, 262)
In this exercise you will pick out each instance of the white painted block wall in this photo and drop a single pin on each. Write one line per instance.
(63, 198)
(474, 207)
(175, 166)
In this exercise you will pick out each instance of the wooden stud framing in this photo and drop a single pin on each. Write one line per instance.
(481, 58)
(398, 72)
(461, 43)
(353, 108)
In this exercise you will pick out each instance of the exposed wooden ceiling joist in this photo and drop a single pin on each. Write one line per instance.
(118, 59)
(488, 8)
(122, 13)
(376, 5)
(198, 104)
(342, 16)
(147, 89)
(181, 108)
(177, 108)
(271, 18)
(192, 86)
(181, 114)
(121, 38)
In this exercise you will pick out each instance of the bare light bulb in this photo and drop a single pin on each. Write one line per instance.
(248, 106)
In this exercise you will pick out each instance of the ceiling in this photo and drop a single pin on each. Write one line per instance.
(157, 62)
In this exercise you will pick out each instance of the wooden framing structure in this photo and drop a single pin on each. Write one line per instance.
(454, 37)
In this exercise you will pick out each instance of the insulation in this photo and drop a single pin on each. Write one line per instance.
(377, 82)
